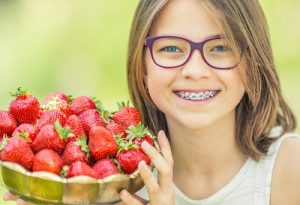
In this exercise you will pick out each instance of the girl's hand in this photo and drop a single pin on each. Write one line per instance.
(160, 192)
(11, 197)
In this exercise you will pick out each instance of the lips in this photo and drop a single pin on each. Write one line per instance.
(197, 96)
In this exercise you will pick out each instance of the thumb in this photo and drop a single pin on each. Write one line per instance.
(131, 198)
(7, 196)
(22, 202)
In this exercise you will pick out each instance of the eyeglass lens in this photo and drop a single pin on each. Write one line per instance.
(174, 52)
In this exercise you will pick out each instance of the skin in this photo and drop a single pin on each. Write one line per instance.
(206, 130)
(204, 123)
(200, 127)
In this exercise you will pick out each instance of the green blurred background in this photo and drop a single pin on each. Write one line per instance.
(80, 47)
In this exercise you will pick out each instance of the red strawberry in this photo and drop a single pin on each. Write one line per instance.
(130, 155)
(90, 119)
(102, 143)
(57, 95)
(51, 137)
(105, 168)
(81, 104)
(75, 125)
(25, 108)
(129, 159)
(17, 150)
(116, 128)
(138, 134)
(7, 123)
(50, 117)
(80, 168)
(47, 160)
(76, 151)
(139, 142)
(127, 115)
(27, 131)
(57, 101)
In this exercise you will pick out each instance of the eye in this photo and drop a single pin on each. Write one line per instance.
(170, 49)
(221, 48)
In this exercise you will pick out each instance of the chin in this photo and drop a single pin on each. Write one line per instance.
(195, 122)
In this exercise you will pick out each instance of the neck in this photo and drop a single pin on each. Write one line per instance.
(205, 151)
(206, 158)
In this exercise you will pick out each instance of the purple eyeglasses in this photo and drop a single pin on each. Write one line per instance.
(175, 51)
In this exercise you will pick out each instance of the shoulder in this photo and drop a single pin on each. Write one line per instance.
(286, 173)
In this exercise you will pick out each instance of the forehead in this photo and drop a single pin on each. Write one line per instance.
(187, 18)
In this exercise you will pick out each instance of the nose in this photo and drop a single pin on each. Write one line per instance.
(196, 67)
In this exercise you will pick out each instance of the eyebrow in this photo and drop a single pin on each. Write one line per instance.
(181, 36)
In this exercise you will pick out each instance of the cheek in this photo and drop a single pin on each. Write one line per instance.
(152, 81)
(238, 85)
(152, 71)
(159, 80)
(233, 83)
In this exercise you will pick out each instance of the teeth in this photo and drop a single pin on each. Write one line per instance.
(201, 96)
(187, 96)
(197, 96)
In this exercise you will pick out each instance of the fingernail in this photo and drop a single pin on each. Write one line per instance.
(124, 193)
(20, 201)
(142, 165)
(145, 145)
(161, 132)
(5, 197)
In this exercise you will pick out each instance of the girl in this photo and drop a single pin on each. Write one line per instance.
(203, 72)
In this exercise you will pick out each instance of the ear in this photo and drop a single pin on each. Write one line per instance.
(145, 81)
(144, 56)
(145, 74)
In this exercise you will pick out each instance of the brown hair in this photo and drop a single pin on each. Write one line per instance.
(262, 106)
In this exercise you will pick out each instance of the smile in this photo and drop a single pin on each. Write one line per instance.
(197, 96)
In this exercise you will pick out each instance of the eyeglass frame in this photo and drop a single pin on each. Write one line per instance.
(193, 45)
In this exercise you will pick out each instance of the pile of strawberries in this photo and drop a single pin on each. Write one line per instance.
(71, 136)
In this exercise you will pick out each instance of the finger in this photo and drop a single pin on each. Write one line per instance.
(162, 166)
(165, 147)
(150, 181)
(129, 199)
(22, 202)
(9, 197)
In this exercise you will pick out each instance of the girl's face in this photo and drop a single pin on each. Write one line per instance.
(171, 89)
